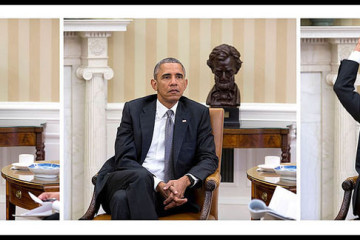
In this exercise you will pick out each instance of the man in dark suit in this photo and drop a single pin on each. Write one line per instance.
(137, 183)
(350, 99)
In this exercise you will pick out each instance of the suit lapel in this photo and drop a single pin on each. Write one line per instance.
(181, 123)
(147, 121)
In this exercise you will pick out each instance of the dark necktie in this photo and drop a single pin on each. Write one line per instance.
(169, 129)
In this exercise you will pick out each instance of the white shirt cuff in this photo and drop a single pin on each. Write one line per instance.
(156, 182)
(355, 56)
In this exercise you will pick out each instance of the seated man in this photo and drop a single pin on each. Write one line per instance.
(164, 149)
(350, 99)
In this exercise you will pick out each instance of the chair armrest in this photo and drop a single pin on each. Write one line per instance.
(93, 206)
(348, 186)
(212, 182)
(93, 179)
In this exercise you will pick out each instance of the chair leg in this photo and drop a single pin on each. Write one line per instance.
(92, 210)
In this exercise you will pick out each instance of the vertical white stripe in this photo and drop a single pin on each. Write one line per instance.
(161, 39)
(45, 60)
(140, 63)
(4, 60)
(291, 62)
(248, 59)
(206, 79)
(24, 60)
(184, 46)
(227, 31)
(270, 60)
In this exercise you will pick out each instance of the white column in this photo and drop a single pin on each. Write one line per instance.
(95, 71)
(315, 65)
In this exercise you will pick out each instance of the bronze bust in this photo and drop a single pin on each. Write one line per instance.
(224, 61)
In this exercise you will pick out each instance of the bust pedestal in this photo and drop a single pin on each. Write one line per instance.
(231, 117)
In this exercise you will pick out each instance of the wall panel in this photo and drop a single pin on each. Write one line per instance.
(267, 48)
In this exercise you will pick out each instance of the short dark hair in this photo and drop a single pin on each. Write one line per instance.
(167, 60)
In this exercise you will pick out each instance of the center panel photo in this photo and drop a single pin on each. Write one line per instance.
(121, 74)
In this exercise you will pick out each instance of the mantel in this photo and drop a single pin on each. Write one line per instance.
(330, 31)
(96, 25)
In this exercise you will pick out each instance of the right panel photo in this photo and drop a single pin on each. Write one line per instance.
(330, 115)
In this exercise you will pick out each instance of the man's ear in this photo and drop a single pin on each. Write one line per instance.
(154, 84)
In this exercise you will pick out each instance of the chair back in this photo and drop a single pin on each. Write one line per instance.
(217, 125)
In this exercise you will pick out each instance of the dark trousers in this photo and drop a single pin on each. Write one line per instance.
(129, 194)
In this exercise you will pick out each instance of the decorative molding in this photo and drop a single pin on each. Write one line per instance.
(95, 34)
(330, 32)
(96, 25)
(341, 40)
(33, 114)
(29, 110)
(314, 40)
(71, 34)
(87, 73)
(97, 47)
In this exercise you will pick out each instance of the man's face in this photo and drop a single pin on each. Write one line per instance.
(224, 71)
(170, 84)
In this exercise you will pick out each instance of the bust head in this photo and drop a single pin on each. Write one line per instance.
(224, 61)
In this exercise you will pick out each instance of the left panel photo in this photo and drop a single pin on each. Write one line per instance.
(29, 119)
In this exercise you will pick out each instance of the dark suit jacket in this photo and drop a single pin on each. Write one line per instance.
(344, 89)
(194, 147)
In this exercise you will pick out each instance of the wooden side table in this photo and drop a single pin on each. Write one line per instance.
(24, 136)
(259, 138)
(263, 184)
(19, 183)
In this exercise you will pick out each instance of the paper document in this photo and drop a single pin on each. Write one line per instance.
(46, 208)
(284, 202)
(283, 206)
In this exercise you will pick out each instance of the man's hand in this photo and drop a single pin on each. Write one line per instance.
(357, 47)
(173, 192)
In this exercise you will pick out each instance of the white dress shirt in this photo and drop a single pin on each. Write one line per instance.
(355, 56)
(154, 160)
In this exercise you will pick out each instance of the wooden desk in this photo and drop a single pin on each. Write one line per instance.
(263, 184)
(259, 138)
(19, 183)
(24, 136)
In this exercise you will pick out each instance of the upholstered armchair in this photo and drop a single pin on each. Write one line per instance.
(206, 196)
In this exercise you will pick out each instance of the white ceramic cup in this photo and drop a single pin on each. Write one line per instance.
(26, 159)
(257, 209)
(272, 160)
